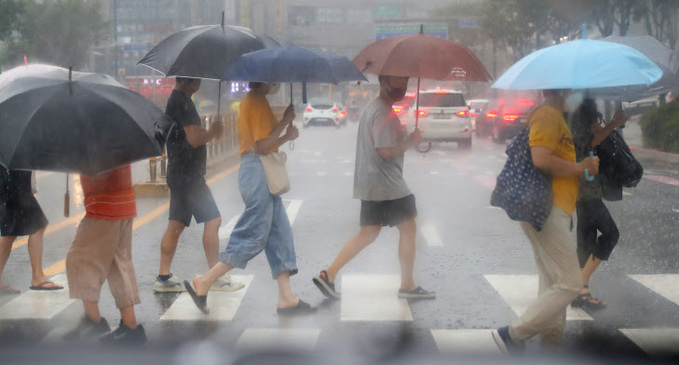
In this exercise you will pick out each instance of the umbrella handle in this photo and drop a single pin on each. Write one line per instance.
(589, 177)
(67, 200)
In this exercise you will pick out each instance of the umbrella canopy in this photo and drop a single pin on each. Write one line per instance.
(662, 56)
(204, 51)
(88, 125)
(293, 64)
(421, 56)
(581, 64)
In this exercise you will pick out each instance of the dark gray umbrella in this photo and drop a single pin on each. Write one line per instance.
(87, 125)
(664, 57)
(204, 51)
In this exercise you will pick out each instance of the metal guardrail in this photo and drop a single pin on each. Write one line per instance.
(217, 149)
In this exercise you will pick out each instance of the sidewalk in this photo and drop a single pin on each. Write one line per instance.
(647, 157)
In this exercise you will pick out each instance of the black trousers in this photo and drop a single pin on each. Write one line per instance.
(593, 217)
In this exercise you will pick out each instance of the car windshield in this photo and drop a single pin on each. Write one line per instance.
(442, 100)
(321, 106)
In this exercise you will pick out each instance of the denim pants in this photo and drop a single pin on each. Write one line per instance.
(264, 224)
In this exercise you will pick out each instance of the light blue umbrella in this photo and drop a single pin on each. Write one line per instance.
(581, 64)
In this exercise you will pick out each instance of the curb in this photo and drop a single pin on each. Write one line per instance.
(159, 189)
(652, 158)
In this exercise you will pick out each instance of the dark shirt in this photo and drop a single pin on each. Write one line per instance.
(185, 163)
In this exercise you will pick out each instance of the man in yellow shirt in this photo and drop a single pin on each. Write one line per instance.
(553, 153)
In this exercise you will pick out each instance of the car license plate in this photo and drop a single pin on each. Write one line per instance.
(442, 116)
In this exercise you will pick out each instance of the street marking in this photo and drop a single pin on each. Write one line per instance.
(434, 172)
(321, 173)
(293, 209)
(225, 231)
(36, 304)
(654, 341)
(300, 339)
(663, 284)
(60, 266)
(626, 193)
(50, 229)
(486, 180)
(431, 235)
(373, 298)
(675, 210)
(519, 291)
(440, 153)
(348, 173)
(465, 341)
(663, 179)
(492, 207)
(223, 305)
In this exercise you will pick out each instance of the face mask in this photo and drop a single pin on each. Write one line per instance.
(573, 101)
(274, 88)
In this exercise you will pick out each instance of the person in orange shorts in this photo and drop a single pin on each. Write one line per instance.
(102, 250)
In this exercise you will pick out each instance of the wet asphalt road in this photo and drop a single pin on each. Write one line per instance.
(461, 239)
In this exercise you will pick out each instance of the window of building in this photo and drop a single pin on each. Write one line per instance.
(329, 15)
(301, 15)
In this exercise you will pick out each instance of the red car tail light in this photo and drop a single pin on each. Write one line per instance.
(422, 113)
(510, 117)
(308, 109)
(398, 109)
(491, 114)
(474, 115)
(334, 110)
(440, 92)
(342, 114)
(463, 114)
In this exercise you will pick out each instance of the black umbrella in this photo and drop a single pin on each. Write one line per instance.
(204, 51)
(86, 123)
(664, 57)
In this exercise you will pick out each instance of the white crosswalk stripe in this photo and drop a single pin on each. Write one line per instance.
(431, 235)
(663, 284)
(461, 341)
(223, 306)
(373, 298)
(35, 304)
(520, 290)
(654, 341)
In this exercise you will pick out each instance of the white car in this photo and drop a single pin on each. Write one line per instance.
(324, 112)
(443, 116)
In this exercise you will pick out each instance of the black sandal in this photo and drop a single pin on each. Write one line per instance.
(587, 301)
(301, 308)
(325, 286)
(199, 300)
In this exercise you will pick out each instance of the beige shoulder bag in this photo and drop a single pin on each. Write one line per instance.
(276, 174)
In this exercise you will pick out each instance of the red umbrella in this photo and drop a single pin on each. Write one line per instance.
(422, 56)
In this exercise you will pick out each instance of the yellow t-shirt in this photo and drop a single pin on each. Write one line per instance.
(255, 122)
(548, 128)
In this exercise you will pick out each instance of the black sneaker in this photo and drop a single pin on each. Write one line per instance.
(505, 343)
(124, 335)
(87, 329)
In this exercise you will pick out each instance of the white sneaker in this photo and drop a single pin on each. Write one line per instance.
(171, 285)
(225, 284)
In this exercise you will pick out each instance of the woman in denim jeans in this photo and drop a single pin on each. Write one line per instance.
(264, 224)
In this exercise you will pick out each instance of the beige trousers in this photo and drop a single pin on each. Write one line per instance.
(560, 280)
(102, 250)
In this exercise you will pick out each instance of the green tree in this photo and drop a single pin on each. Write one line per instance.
(10, 11)
(57, 32)
(606, 14)
(660, 17)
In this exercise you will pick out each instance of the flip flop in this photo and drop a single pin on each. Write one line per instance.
(42, 286)
(301, 308)
(6, 289)
(199, 300)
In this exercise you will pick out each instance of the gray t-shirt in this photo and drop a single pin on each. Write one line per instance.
(375, 178)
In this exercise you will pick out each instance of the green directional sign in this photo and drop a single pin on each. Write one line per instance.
(387, 12)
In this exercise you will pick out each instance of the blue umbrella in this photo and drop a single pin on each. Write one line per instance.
(293, 64)
(581, 64)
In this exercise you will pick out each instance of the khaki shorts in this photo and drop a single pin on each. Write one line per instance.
(102, 250)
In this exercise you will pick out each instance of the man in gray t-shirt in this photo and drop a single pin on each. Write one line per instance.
(378, 182)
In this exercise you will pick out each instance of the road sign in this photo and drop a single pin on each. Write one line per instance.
(391, 30)
(468, 23)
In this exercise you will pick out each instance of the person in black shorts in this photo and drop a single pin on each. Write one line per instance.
(21, 215)
(189, 193)
(385, 197)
